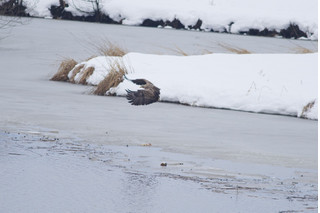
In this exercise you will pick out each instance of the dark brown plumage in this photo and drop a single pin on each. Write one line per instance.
(148, 95)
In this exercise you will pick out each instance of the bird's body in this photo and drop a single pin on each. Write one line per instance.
(149, 94)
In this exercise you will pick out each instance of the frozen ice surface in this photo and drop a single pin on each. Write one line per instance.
(48, 174)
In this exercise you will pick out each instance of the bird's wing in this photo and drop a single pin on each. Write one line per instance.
(139, 81)
(142, 97)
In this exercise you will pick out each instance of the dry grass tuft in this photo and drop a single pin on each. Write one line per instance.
(86, 74)
(307, 108)
(75, 72)
(91, 57)
(235, 49)
(303, 50)
(108, 48)
(205, 52)
(65, 67)
(179, 51)
(113, 79)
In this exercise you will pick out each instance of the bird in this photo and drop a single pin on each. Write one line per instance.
(148, 95)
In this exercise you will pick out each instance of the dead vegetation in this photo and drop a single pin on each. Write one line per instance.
(113, 79)
(65, 67)
(75, 71)
(205, 52)
(108, 48)
(86, 74)
(105, 47)
(236, 50)
(91, 57)
(178, 51)
(303, 50)
(307, 109)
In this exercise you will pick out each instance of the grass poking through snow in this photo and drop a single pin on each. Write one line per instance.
(65, 67)
(104, 47)
(75, 71)
(235, 49)
(306, 109)
(86, 74)
(113, 79)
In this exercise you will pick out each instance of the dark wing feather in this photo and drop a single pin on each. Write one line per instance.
(143, 97)
(139, 81)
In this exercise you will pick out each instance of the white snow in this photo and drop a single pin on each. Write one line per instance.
(215, 14)
(267, 83)
(100, 64)
(40, 8)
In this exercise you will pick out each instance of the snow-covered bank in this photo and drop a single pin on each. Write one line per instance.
(267, 17)
(283, 84)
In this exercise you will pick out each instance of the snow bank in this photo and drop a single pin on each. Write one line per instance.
(215, 14)
(266, 83)
(101, 65)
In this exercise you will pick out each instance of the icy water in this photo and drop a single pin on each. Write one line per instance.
(63, 150)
